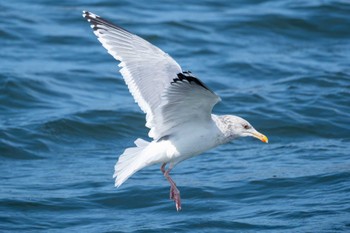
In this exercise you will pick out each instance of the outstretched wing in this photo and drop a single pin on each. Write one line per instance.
(186, 100)
(168, 96)
(146, 69)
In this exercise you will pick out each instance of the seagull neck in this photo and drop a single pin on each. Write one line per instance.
(225, 134)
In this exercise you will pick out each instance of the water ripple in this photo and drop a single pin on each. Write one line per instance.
(66, 115)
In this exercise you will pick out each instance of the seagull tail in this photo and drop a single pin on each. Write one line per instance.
(131, 161)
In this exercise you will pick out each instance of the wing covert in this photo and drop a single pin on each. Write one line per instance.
(186, 100)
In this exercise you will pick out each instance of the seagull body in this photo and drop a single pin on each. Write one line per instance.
(178, 106)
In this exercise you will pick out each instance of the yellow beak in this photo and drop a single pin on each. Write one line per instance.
(261, 137)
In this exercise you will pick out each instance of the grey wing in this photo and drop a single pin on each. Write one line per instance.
(146, 69)
(186, 100)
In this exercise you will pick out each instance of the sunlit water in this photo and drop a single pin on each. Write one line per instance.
(66, 115)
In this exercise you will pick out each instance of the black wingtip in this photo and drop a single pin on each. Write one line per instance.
(89, 15)
(187, 75)
(96, 20)
(85, 14)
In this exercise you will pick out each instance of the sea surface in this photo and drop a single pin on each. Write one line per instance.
(66, 115)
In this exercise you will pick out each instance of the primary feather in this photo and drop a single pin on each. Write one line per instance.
(146, 69)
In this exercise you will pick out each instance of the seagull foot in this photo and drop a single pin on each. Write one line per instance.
(175, 195)
(174, 192)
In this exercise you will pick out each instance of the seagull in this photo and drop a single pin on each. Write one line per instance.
(178, 106)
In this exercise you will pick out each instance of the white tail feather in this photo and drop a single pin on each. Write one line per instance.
(130, 162)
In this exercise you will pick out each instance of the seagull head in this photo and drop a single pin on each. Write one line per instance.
(239, 127)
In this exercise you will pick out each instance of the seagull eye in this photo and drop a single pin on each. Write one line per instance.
(246, 126)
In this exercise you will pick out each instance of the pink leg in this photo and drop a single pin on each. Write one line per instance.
(174, 192)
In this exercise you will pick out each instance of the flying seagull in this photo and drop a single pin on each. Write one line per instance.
(178, 106)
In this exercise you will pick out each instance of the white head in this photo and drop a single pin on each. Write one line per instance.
(238, 127)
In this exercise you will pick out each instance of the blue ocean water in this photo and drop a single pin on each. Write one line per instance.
(66, 115)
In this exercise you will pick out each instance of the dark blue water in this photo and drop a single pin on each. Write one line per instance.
(66, 115)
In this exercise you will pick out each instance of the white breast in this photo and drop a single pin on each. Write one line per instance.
(192, 141)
